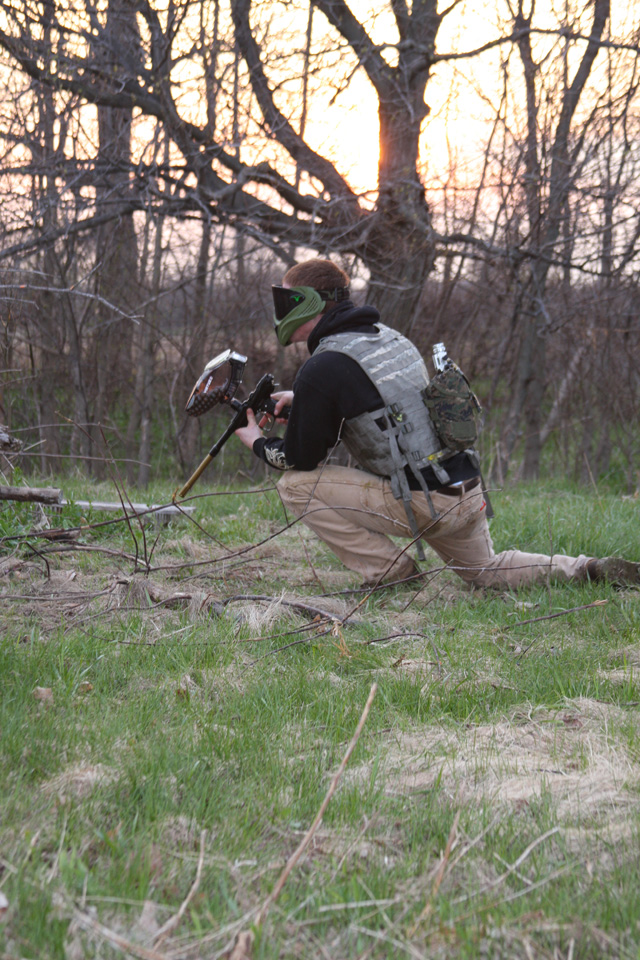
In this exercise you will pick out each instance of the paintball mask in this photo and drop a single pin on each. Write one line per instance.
(217, 384)
(293, 306)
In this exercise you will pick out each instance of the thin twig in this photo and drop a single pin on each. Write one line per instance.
(426, 910)
(436, 573)
(294, 604)
(245, 938)
(476, 840)
(306, 840)
(57, 597)
(309, 563)
(72, 547)
(395, 560)
(594, 485)
(392, 941)
(367, 825)
(56, 862)
(397, 636)
(294, 643)
(122, 494)
(126, 946)
(40, 554)
(552, 616)
(202, 529)
(512, 868)
(173, 921)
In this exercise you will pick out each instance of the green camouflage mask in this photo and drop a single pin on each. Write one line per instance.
(308, 304)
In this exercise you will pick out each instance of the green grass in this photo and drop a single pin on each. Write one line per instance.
(169, 716)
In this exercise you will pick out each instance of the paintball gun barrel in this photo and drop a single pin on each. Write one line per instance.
(218, 384)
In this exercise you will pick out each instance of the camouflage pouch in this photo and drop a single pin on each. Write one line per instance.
(453, 408)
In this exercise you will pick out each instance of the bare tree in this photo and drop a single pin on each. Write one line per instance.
(189, 166)
(297, 198)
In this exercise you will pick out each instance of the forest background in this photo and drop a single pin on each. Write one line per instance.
(473, 167)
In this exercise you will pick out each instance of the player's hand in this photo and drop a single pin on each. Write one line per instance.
(282, 398)
(252, 432)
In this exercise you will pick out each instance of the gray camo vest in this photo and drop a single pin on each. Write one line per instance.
(402, 434)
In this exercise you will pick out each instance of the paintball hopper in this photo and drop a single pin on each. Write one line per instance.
(217, 384)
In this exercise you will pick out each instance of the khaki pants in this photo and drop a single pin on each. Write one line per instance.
(353, 512)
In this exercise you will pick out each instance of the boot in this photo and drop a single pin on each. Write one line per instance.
(616, 570)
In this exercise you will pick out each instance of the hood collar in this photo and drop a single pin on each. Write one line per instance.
(344, 317)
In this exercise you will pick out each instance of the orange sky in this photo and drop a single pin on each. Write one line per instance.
(462, 95)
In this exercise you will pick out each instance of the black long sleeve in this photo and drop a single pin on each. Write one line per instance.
(329, 388)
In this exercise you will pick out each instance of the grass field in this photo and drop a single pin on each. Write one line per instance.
(174, 708)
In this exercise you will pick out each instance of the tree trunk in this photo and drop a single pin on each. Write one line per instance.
(117, 250)
(146, 363)
(195, 355)
(399, 250)
(546, 199)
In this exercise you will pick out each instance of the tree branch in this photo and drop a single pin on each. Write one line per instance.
(340, 16)
(282, 130)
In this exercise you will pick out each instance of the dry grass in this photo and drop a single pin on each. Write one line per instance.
(571, 757)
(77, 782)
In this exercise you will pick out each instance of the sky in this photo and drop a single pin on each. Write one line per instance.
(462, 96)
(353, 139)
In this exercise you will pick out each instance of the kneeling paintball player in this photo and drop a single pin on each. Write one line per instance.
(368, 386)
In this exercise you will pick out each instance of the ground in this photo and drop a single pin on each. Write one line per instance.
(177, 701)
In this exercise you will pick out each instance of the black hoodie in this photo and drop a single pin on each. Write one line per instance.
(329, 388)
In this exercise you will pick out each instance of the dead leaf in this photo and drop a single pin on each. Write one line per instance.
(243, 947)
(148, 920)
(85, 687)
(341, 644)
(44, 694)
(570, 721)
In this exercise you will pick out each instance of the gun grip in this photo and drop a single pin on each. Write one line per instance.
(269, 407)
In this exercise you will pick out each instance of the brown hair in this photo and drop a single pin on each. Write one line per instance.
(319, 274)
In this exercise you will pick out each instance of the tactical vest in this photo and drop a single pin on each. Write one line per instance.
(401, 434)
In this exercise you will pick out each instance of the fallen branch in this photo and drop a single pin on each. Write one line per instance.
(31, 494)
(244, 940)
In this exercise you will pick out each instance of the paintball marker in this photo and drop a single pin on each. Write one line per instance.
(218, 384)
